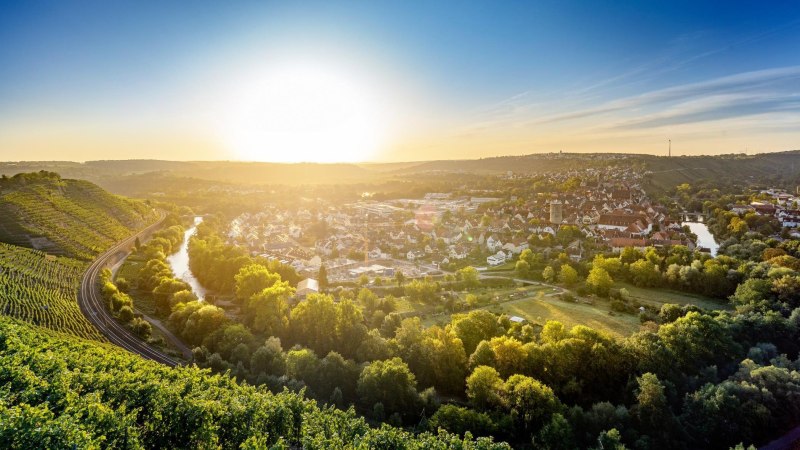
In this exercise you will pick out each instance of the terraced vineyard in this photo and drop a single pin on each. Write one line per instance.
(66, 217)
(42, 289)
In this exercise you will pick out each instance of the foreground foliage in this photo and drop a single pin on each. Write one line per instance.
(62, 392)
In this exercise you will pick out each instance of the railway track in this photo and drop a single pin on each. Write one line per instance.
(93, 307)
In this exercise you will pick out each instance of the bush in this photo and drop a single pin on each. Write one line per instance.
(141, 327)
(568, 297)
(620, 306)
(459, 420)
(125, 314)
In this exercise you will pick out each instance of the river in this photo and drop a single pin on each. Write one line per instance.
(704, 237)
(179, 261)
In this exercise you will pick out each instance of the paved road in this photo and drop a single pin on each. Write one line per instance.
(499, 276)
(93, 307)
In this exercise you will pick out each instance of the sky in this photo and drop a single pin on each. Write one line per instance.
(395, 81)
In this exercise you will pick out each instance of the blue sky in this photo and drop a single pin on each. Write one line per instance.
(85, 79)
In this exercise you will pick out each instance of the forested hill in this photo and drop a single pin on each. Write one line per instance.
(156, 175)
(64, 392)
(733, 164)
(66, 217)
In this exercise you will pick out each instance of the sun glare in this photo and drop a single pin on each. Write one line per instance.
(304, 113)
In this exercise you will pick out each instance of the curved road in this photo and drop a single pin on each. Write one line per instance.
(93, 307)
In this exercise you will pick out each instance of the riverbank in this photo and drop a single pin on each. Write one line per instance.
(179, 262)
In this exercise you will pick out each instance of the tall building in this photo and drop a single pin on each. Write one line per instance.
(556, 214)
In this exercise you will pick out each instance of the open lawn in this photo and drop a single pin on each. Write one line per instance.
(538, 304)
(542, 308)
(658, 297)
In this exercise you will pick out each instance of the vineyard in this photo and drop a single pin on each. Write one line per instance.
(42, 289)
(65, 392)
(66, 217)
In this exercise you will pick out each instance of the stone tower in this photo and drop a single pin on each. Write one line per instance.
(556, 214)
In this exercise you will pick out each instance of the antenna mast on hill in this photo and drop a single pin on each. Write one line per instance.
(669, 154)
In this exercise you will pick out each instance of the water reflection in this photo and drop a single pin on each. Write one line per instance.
(704, 237)
(179, 261)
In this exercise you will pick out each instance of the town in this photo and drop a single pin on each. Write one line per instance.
(598, 210)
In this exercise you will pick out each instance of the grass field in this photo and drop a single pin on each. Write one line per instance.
(658, 297)
(538, 304)
(541, 309)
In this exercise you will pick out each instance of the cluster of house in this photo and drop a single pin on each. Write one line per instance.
(782, 205)
(608, 207)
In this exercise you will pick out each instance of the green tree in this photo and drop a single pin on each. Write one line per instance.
(267, 311)
(610, 440)
(252, 279)
(548, 274)
(509, 354)
(268, 359)
(599, 281)
(738, 227)
(629, 255)
(522, 268)
(469, 277)
(567, 275)
(446, 358)
(485, 388)
(303, 364)
(474, 327)
(460, 420)
(531, 403)
(390, 383)
(482, 356)
(184, 296)
(556, 435)
(399, 277)
(644, 273)
(349, 329)
(313, 322)
(696, 341)
(422, 290)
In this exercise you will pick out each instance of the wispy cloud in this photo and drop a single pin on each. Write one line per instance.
(748, 93)
(593, 105)
(716, 107)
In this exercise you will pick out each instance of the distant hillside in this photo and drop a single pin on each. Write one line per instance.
(64, 392)
(667, 171)
(222, 171)
(670, 172)
(274, 173)
(761, 164)
(536, 163)
(65, 217)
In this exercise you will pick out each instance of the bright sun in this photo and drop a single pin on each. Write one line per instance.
(304, 113)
